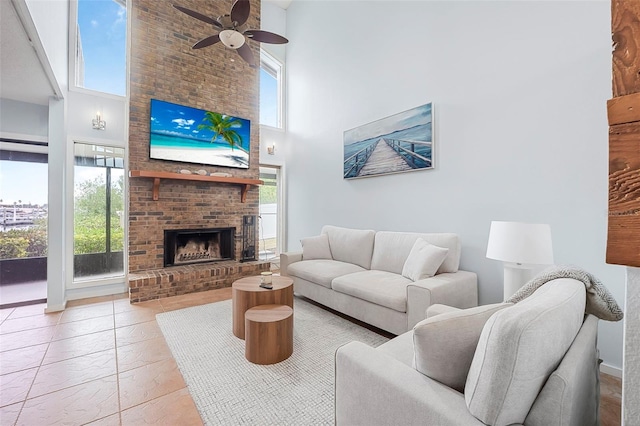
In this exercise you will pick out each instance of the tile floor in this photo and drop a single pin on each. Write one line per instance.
(104, 362)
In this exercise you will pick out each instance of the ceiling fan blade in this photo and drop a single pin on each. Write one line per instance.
(245, 52)
(208, 41)
(240, 11)
(199, 16)
(265, 37)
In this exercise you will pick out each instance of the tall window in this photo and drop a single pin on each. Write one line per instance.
(269, 214)
(23, 224)
(100, 45)
(98, 211)
(271, 105)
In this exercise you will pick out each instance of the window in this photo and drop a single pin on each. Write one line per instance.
(100, 45)
(270, 91)
(269, 244)
(98, 238)
(23, 223)
(23, 204)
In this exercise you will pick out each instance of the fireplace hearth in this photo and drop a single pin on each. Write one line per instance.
(186, 246)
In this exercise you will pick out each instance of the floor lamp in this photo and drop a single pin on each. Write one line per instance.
(520, 246)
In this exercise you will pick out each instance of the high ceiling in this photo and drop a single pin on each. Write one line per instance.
(22, 77)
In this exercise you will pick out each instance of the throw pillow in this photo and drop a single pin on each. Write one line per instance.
(316, 248)
(444, 345)
(423, 260)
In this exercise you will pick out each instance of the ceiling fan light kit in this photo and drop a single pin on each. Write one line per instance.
(231, 38)
(234, 34)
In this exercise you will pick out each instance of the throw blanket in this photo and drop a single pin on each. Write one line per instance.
(599, 301)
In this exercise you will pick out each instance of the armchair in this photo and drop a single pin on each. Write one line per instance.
(531, 363)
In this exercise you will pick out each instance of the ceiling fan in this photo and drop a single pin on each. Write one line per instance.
(234, 31)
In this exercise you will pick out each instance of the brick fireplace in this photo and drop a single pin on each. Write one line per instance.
(164, 67)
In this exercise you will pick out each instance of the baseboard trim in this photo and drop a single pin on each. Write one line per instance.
(612, 371)
(96, 291)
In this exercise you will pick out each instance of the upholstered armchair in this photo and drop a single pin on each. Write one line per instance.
(534, 362)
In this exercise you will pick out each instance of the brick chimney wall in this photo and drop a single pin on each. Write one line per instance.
(164, 67)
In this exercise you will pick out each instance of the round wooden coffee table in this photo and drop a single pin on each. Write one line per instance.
(268, 334)
(247, 293)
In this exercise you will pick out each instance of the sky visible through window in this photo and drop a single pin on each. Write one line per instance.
(268, 99)
(23, 182)
(103, 29)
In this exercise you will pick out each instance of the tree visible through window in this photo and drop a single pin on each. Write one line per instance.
(98, 239)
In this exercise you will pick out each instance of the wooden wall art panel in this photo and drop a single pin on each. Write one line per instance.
(623, 240)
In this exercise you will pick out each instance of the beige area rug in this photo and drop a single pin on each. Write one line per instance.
(227, 389)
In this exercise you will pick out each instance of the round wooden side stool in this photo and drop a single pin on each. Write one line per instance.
(268, 333)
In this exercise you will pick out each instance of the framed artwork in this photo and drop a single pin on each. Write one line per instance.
(400, 143)
(191, 135)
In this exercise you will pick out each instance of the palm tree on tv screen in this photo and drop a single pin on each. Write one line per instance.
(222, 126)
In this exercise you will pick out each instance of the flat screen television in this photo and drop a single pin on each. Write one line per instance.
(190, 135)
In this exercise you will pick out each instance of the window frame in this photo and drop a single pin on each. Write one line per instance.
(73, 63)
(275, 68)
(82, 284)
(280, 211)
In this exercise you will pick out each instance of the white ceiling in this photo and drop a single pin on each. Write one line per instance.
(22, 77)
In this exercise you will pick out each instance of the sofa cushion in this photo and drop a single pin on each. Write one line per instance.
(316, 248)
(379, 287)
(518, 350)
(350, 245)
(423, 260)
(391, 250)
(321, 271)
(444, 344)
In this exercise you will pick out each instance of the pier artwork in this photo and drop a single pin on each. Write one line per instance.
(386, 156)
(400, 143)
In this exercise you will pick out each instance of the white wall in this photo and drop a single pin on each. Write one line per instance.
(22, 120)
(83, 108)
(519, 92)
(274, 18)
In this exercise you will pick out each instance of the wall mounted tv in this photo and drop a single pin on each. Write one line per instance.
(191, 135)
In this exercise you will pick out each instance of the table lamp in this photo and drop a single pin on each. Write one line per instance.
(520, 246)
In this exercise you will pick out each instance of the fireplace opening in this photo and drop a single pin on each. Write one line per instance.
(184, 246)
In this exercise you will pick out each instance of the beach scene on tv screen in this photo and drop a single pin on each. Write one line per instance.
(192, 135)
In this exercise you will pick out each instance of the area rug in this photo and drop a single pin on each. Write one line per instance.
(228, 389)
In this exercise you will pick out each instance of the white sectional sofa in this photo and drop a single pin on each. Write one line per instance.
(360, 273)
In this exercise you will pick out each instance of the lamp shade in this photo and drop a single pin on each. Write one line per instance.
(522, 243)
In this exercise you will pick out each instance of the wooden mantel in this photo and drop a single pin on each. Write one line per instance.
(244, 184)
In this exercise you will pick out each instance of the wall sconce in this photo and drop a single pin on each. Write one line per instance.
(98, 123)
(271, 150)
